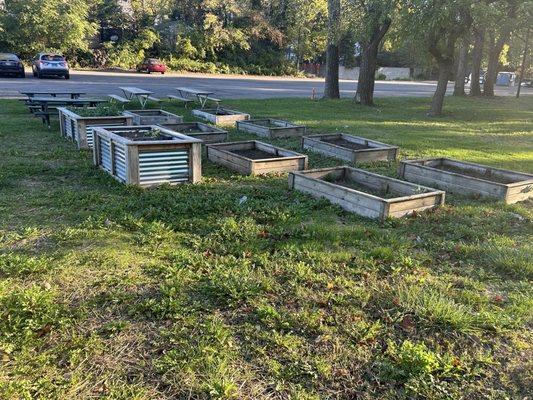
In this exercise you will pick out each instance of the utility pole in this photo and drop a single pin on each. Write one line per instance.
(524, 62)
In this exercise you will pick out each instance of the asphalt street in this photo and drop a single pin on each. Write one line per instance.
(225, 86)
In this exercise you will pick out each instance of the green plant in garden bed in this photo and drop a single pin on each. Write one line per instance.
(101, 110)
(240, 288)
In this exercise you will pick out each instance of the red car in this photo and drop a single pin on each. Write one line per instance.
(152, 65)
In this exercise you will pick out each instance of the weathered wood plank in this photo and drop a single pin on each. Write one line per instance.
(153, 117)
(283, 160)
(408, 197)
(374, 151)
(271, 128)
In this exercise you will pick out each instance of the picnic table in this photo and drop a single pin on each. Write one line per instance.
(72, 94)
(142, 95)
(201, 95)
(45, 102)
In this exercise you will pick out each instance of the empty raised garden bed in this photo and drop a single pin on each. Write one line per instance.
(220, 116)
(207, 133)
(468, 178)
(271, 128)
(255, 158)
(350, 148)
(79, 128)
(148, 155)
(365, 193)
(153, 117)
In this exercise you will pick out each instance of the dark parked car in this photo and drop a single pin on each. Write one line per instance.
(11, 64)
(152, 65)
(49, 64)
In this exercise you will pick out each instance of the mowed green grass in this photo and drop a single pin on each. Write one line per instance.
(116, 292)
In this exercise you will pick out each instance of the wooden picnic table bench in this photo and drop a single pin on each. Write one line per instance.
(48, 103)
(203, 96)
(72, 94)
(131, 92)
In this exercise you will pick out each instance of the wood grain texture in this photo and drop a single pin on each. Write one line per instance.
(274, 128)
(375, 151)
(470, 179)
(284, 160)
(408, 198)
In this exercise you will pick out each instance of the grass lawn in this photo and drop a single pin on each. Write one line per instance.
(187, 292)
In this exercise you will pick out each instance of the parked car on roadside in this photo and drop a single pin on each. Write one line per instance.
(50, 64)
(10, 64)
(152, 65)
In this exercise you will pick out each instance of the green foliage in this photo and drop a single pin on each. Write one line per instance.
(31, 26)
(130, 54)
(27, 313)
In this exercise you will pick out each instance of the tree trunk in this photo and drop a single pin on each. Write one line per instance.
(524, 63)
(460, 73)
(492, 67)
(495, 49)
(367, 76)
(331, 89)
(445, 68)
(477, 55)
(367, 70)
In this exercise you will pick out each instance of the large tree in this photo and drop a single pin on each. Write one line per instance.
(438, 25)
(462, 67)
(477, 57)
(331, 88)
(497, 39)
(374, 18)
(30, 26)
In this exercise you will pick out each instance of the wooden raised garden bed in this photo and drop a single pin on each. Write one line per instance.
(79, 129)
(207, 133)
(271, 128)
(220, 116)
(365, 193)
(255, 158)
(148, 155)
(350, 148)
(468, 178)
(153, 117)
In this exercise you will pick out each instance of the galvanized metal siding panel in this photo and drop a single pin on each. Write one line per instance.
(119, 153)
(67, 123)
(89, 130)
(170, 166)
(105, 154)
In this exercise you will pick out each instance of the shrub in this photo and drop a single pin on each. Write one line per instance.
(101, 110)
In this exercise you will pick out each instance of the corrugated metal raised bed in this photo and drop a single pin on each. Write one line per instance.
(469, 178)
(220, 116)
(148, 155)
(254, 158)
(79, 129)
(153, 117)
(207, 133)
(271, 128)
(350, 148)
(365, 193)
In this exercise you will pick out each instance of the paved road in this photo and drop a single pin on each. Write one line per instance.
(104, 83)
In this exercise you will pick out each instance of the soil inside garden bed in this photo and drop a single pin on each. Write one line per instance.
(220, 112)
(462, 171)
(192, 130)
(141, 136)
(361, 188)
(149, 113)
(345, 143)
(267, 124)
(254, 154)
